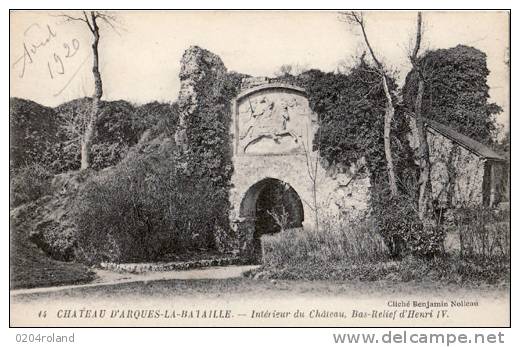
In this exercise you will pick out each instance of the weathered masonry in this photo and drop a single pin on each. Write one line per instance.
(277, 173)
(278, 176)
(464, 172)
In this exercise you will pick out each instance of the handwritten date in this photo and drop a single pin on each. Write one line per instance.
(36, 38)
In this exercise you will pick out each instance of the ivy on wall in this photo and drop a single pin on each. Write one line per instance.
(456, 91)
(351, 111)
(209, 145)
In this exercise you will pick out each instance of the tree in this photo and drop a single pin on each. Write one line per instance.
(456, 91)
(357, 18)
(349, 108)
(118, 128)
(312, 163)
(91, 19)
(422, 75)
(291, 70)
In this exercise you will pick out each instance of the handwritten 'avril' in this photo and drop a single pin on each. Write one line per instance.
(36, 38)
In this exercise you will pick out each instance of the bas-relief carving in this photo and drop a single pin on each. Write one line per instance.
(273, 122)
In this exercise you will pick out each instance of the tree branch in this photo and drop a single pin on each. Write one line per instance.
(88, 22)
(418, 38)
(110, 21)
(68, 18)
(357, 17)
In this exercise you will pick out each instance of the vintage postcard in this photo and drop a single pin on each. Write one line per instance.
(259, 168)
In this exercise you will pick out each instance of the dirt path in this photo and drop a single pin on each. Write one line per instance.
(106, 278)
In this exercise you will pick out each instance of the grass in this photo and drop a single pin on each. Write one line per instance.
(31, 267)
(354, 251)
(333, 243)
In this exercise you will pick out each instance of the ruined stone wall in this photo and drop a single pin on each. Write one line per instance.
(457, 174)
(201, 75)
(271, 131)
(337, 193)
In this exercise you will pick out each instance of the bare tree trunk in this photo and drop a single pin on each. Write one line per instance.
(86, 142)
(312, 172)
(389, 108)
(425, 188)
(389, 115)
(315, 198)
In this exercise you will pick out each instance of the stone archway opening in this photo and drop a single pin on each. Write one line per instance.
(268, 206)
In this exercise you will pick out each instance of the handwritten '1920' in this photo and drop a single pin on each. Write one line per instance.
(31, 48)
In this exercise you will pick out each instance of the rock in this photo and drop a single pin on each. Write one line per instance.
(172, 266)
(262, 275)
(201, 75)
(250, 82)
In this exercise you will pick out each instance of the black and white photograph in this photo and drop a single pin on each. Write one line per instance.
(254, 168)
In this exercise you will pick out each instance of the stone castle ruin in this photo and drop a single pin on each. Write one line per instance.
(280, 179)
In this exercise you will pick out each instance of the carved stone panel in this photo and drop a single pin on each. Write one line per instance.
(273, 121)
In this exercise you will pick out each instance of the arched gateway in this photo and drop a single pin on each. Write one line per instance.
(273, 129)
(268, 206)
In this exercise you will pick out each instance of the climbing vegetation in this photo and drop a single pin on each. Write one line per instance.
(351, 109)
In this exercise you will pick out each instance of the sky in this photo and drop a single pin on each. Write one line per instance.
(50, 58)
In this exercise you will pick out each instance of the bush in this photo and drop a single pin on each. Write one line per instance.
(47, 221)
(452, 269)
(145, 209)
(398, 222)
(55, 239)
(33, 132)
(29, 183)
(484, 233)
(158, 117)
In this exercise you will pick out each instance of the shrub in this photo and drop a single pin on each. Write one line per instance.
(484, 233)
(55, 239)
(146, 208)
(158, 117)
(33, 134)
(452, 269)
(29, 183)
(47, 221)
(29, 267)
(398, 222)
